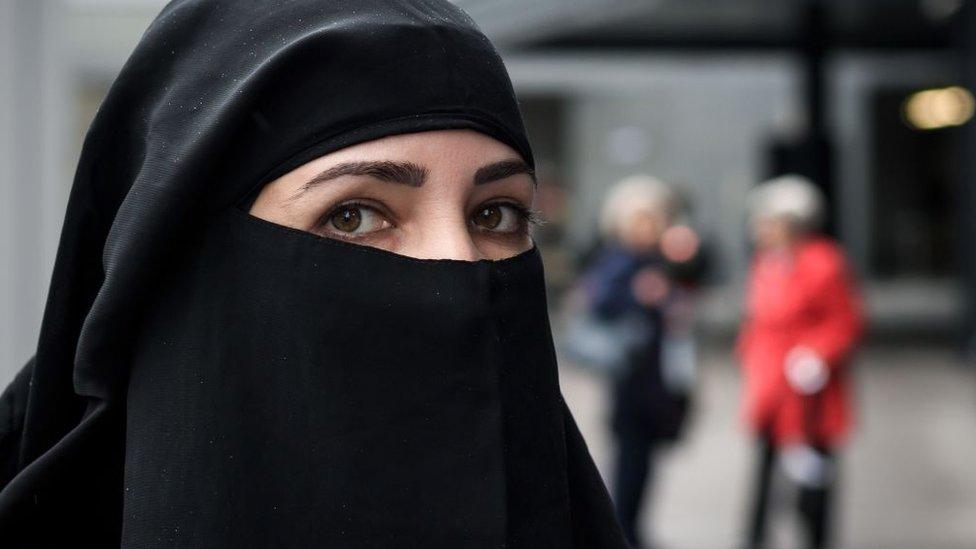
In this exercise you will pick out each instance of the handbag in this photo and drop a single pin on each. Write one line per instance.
(601, 345)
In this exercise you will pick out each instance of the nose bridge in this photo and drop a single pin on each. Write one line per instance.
(447, 236)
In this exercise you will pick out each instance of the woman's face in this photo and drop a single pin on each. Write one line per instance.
(641, 231)
(773, 233)
(449, 194)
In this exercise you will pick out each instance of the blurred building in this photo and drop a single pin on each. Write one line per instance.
(716, 96)
(712, 95)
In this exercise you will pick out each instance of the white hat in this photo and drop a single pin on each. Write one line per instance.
(635, 194)
(792, 197)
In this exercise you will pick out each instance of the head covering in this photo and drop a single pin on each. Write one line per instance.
(636, 194)
(205, 378)
(794, 198)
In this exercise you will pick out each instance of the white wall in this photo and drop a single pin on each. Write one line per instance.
(34, 173)
(704, 122)
(52, 52)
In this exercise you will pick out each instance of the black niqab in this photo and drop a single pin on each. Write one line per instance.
(208, 379)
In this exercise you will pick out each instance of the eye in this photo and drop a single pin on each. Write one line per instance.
(501, 218)
(354, 220)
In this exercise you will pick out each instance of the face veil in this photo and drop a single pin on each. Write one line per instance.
(208, 379)
(418, 409)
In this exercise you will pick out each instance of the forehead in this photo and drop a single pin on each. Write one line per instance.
(430, 156)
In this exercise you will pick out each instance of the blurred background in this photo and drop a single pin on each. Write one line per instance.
(870, 98)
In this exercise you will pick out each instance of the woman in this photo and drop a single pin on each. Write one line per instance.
(803, 320)
(632, 281)
(296, 303)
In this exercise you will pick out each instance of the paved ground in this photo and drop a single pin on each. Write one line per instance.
(910, 475)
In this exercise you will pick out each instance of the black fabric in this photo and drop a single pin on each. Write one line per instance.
(633, 482)
(13, 407)
(642, 406)
(813, 504)
(207, 379)
(760, 496)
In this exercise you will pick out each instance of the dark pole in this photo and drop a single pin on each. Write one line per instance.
(809, 154)
(967, 187)
(813, 49)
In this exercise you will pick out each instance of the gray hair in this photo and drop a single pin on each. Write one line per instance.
(791, 197)
(634, 194)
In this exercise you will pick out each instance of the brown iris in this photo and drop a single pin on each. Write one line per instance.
(488, 217)
(347, 219)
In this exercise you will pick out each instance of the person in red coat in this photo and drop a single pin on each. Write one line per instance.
(803, 320)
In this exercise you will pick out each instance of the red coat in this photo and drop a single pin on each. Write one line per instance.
(806, 298)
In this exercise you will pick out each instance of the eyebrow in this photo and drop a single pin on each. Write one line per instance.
(404, 173)
(501, 170)
(412, 175)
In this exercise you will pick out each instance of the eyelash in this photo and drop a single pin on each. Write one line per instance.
(528, 217)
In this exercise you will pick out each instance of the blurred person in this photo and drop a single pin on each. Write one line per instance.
(296, 301)
(631, 278)
(802, 322)
(686, 260)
